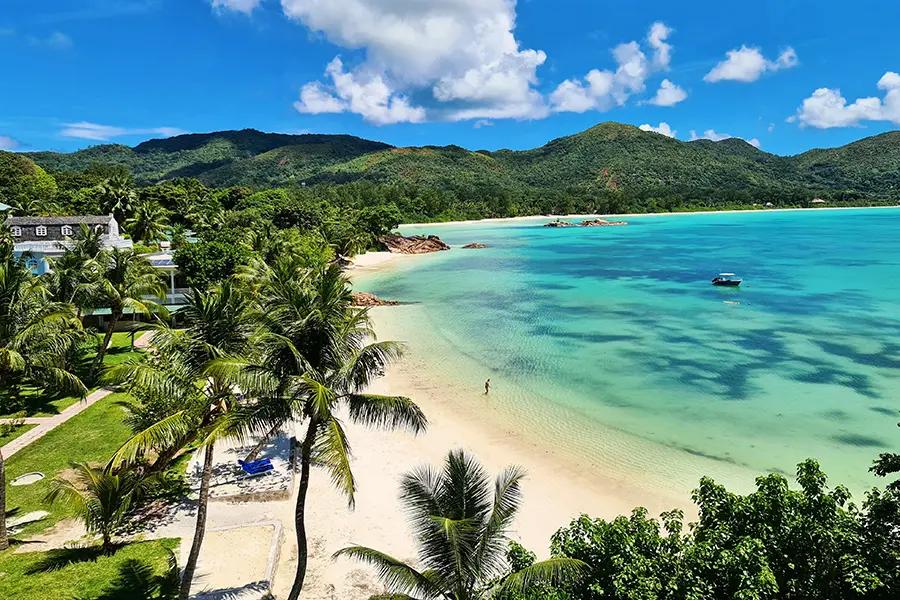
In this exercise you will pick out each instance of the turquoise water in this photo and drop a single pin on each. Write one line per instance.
(611, 344)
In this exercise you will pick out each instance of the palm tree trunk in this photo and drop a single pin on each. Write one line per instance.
(200, 528)
(101, 352)
(4, 536)
(300, 511)
(262, 443)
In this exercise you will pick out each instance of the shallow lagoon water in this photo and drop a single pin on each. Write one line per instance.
(610, 343)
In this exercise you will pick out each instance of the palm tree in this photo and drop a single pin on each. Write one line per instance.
(126, 280)
(220, 325)
(315, 360)
(148, 223)
(88, 242)
(100, 498)
(36, 335)
(461, 525)
(116, 195)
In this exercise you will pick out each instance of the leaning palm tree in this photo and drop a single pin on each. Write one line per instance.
(100, 498)
(315, 360)
(220, 325)
(36, 336)
(460, 522)
(125, 281)
(148, 223)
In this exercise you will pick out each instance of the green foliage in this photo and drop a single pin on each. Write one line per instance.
(775, 543)
(25, 186)
(206, 263)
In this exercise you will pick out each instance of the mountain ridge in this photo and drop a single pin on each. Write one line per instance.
(612, 155)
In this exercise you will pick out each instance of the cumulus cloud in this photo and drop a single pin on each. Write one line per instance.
(603, 90)
(712, 134)
(668, 94)
(663, 129)
(244, 6)
(368, 96)
(460, 53)
(748, 64)
(827, 108)
(9, 143)
(105, 133)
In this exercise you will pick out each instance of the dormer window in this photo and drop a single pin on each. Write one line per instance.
(40, 231)
(67, 230)
(31, 264)
(17, 231)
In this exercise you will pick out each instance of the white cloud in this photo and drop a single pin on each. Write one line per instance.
(105, 133)
(748, 64)
(603, 90)
(668, 94)
(827, 108)
(8, 143)
(771, 127)
(483, 123)
(659, 33)
(55, 41)
(712, 134)
(244, 6)
(663, 129)
(461, 53)
(368, 96)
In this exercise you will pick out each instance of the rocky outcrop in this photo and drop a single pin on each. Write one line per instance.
(601, 223)
(473, 246)
(363, 299)
(414, 244)
(559, 223)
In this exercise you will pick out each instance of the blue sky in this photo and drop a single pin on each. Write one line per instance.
(788, 75)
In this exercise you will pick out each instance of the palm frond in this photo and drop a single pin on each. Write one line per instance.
(398, 576)
(332, 451)
(552, 572)
(387, 412)
(162, 434)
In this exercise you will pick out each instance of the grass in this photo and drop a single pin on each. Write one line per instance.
(91, 436)
(4, 440)
(82, 573)
(39, 404)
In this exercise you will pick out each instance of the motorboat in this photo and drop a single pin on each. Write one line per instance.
(727, 280)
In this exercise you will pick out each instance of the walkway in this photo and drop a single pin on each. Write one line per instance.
(47, 424)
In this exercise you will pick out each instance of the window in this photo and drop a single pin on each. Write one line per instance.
(32, 264)
(17, 231)
(67, 230)
(40, 231)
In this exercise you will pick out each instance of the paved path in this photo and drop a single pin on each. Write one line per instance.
(44, 425)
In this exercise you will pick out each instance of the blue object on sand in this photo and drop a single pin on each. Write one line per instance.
(256, 467)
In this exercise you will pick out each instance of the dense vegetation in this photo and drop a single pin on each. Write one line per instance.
(610, 168)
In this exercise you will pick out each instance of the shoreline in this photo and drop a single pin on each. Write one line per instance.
(500, 220)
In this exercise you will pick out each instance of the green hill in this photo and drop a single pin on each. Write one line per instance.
(611, 156)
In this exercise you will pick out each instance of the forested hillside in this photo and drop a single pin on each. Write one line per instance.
(610, 157)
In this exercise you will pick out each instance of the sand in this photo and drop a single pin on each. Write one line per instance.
(556, 490)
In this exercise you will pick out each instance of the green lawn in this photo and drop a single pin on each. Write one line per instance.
(39, 404)
(4, 440)
(82, 574)
(91, 436)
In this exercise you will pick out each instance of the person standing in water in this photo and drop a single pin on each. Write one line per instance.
(487, 387)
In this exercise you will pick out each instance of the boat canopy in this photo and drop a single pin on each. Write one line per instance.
(726, 274)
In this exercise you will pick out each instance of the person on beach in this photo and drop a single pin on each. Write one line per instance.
(487, 387)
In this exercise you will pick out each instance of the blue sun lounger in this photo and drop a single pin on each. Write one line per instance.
(257, 467)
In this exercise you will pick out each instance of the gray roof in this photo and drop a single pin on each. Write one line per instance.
(89, 220)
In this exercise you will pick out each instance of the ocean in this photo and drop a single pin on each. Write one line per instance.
(611, 345)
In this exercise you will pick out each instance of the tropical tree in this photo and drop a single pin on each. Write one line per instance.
(125, 281)
(88, 242)
(100, 498)
(461, 522)
(117, 195)
(36, 336)
(314, 360)
(148, 223)
(192, 399)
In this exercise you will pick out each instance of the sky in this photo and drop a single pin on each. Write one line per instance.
(785, 75)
